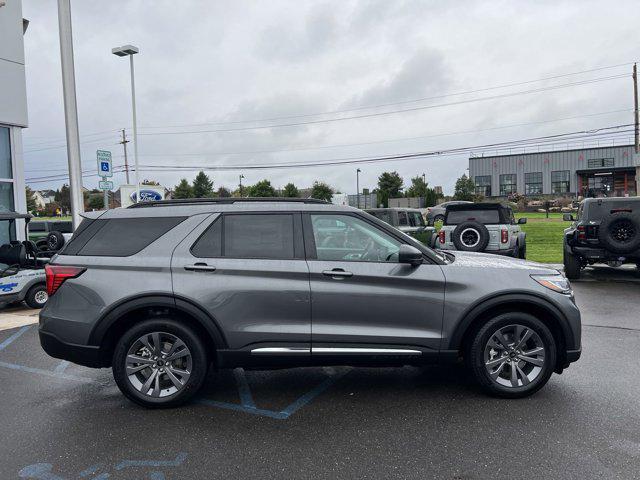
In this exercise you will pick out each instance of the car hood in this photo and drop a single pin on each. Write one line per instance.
(487, 260)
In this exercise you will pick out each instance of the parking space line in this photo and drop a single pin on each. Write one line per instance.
(180, 458)
(243, 388)
(62, 366)
(241, 408)
(14, 337)
(66, 376)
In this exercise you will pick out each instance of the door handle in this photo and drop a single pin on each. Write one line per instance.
(337, 273)
(200, 267)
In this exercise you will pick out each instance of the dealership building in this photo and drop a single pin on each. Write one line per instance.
(585, 172)
(13, 116)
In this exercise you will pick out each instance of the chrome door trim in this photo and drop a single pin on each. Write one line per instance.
(280, 350)
(364, 351)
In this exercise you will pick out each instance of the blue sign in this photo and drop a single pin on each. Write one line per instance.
(146, 196)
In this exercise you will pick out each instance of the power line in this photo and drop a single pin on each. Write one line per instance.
(405, 102)
(391, 112)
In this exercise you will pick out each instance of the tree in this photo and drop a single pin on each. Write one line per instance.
(420, 188)
(290, 191)
(51, 209)
(96, 202)
(31, 202)
(321, 191)
(223, 192)
(262, 189)
(202, 186)
(150, 182)
(183, 190)
(389, 186)
(465, 189)
(63, 198)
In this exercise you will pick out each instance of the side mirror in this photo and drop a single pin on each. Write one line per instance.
(567, 217)
(522, 221)
(409, 254)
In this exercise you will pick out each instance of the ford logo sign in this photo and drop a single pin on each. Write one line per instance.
(146, 196)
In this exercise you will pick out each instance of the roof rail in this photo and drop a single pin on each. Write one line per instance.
(223, 200)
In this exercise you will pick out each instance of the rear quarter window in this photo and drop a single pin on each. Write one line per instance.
(118, 237)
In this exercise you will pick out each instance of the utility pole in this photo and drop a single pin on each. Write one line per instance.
(126, 162)
(635, 104)
(70, 111)
(241, 177)
(358, 186)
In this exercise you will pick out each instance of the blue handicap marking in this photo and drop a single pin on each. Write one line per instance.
(44, 471)
(104, 166)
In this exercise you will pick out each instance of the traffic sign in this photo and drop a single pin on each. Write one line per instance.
(104, 163)
(105, 185)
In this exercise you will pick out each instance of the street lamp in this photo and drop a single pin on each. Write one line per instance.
(358, 186)
(241, 177)
(130, 51)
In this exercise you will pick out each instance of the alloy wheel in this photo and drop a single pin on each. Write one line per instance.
(470, 237)
(41, 297)
(514, 356)
(158, 364)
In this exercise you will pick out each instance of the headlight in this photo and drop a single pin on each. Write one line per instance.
(557, 283)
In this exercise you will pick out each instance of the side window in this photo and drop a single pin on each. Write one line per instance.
(258, 236)
(416, 220)
(210, 242)
(402, 219)
(345, 237)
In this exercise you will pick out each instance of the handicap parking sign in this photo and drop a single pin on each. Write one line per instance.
(104, 163)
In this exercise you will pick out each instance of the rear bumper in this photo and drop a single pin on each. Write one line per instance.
(86, 355)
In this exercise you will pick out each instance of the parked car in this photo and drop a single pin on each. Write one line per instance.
(605, 230)
(407, 220)
(436, 214)
(50, 234)
(163, 290)
(482, 227)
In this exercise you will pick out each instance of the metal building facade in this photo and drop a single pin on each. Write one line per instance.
(598, 171)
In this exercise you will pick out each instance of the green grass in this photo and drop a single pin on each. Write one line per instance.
(544, 236)
(51, 219)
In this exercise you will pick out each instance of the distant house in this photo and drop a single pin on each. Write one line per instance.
(43, 197)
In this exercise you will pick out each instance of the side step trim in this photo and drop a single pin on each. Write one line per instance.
(364, 351)
(280, 350)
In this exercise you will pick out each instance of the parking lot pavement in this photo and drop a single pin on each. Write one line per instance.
(61, 421)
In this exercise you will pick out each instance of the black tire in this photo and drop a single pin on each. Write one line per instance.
(620, 232)
(55, 241)
(169, 326)
(476, 237)
(522, 250)
(475, 356)
(572, 265)
(37, 296)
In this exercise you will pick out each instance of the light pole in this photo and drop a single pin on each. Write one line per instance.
(241, 177)
(358, 185)
(130, 51)
(424, 178)
(70, 111)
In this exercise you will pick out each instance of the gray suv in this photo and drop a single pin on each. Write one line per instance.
(163, 291)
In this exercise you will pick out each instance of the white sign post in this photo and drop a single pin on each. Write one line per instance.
(105, 170)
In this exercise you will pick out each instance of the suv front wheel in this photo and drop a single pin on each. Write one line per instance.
(513, 355)
(159, 363)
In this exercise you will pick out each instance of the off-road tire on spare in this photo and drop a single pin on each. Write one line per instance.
(572, 265)
(475, 360)
(36, 296)
(169, 326)
(55, 240)
(471, 228)
(620, 232)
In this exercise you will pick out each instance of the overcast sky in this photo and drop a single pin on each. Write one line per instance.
(204, 64)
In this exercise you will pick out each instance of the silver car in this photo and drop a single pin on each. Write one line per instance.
(163, 291)
(436, 214)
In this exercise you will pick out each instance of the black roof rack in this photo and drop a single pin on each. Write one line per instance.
(223, 200)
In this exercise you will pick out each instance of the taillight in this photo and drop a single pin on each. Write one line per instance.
(504, 235)
(582, 233)
(57, 274)
(441, 236)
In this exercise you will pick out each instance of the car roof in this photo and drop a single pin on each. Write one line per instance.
(205, 206)
(400, 209)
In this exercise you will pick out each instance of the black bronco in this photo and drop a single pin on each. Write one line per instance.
(606, 230)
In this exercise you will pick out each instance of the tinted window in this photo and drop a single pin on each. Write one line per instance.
(210, 243)
(120, 237)
(416, 220)
(37, 227)
(482, 216)
(385, 216)
(258, 236)
(343, 237)
(62, 227)
(402, 218)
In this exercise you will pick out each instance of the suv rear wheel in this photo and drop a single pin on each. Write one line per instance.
(159, 363)
(512, 355)
(572, 265)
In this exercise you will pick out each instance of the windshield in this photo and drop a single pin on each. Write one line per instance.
(482, 216)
